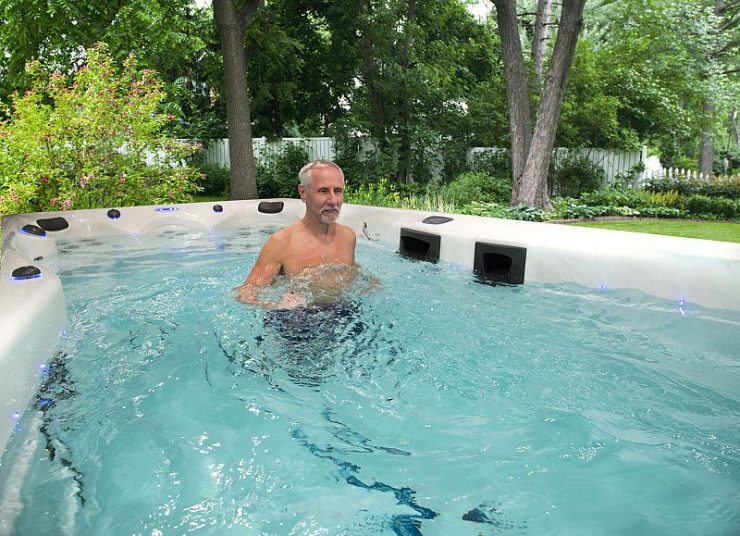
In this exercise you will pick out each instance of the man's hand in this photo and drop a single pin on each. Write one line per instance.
(290, 301)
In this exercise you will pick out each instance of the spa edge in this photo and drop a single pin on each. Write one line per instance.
(689, 271)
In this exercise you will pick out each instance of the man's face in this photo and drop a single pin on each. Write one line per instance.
(324, 194)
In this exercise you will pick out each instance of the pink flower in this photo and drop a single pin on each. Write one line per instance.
(53, 201)
(44, 178)
(67, 203)
(83, 181)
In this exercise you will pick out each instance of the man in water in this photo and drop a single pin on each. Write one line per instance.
(316, 252)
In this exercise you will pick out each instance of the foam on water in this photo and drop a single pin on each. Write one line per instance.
(433, 405)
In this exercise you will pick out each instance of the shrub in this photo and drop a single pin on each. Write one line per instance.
(720, 187)
(574, 175)
(385, 194)
(92, 139)
(214, 179)
(712, 207)
(377, 194)
(277, 176)
(496, 163)
(671, 198)
(616, 197)
(470, 187)
(663, 212)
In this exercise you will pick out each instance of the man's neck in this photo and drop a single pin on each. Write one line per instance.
(317, 228)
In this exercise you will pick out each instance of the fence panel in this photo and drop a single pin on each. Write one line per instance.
(685, 175)
(613, 162)
(217, 151)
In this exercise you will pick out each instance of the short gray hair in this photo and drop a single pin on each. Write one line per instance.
(304, 175)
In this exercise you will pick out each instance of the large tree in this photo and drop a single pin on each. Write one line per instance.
(421, 65)
(232, 22)
(531, 149)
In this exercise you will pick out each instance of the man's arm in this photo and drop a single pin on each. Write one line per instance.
(263, 273)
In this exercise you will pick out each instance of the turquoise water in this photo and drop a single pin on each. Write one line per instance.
(435, 405)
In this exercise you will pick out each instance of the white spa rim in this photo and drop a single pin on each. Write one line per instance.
(33, 316)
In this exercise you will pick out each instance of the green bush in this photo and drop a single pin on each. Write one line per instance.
(721, 187)
(574, 175)
(663, 212)
(616, 197)
(277, 176)
(482, 187)
(374, 194)
(496, 163)
(496, 210)
(214, 179)
(93, 139)
(712, 207)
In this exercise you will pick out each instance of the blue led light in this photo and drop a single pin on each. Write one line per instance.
(165, 209)
(25, 277)
(42, 235)
(682, 306)
(603, 287)
(16, 415)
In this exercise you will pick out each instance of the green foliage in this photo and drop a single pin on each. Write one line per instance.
(496, 210)
(469, 187)
(496, 163)
(712, 207)
(573, 175)
(723, 187)
(94, 139)
(277, 175)
(386, 194)
(361, 159)
(573, 210)
(634, 198)
(214, 179)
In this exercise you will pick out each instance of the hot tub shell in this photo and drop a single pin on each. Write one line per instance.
(702, 272)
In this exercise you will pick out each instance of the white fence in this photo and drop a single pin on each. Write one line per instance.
(217, 151)
(614, 163)
(684, 174)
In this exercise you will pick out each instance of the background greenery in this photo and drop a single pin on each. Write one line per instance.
(425, 91)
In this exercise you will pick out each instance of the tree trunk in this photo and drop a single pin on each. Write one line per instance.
(706, 152)
(232, 25)
(520, 121)
(541, 25)
(533, 191)
(530, 154)
(405, 103)
(369, 74)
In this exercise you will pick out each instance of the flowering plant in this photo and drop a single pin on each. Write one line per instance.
(92, 139)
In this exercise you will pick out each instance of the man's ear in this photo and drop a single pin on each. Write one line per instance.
(302, 192)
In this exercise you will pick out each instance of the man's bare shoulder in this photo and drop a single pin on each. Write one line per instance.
(281, 236)
(345, 230)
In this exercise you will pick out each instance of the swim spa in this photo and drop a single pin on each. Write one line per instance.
(599, 397)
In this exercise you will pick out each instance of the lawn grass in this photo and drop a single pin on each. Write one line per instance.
(707, 230)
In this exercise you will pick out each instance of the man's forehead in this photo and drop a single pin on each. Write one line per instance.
(326, 176)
